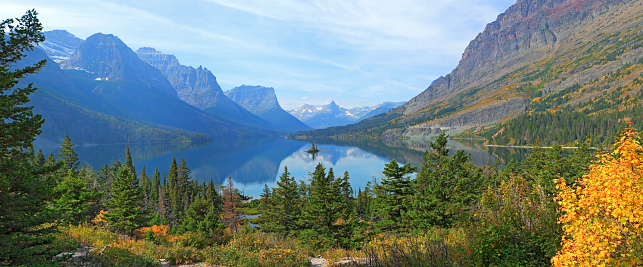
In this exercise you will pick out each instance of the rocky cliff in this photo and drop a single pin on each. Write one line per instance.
(262, 101)
(106, 57)
(198, 87)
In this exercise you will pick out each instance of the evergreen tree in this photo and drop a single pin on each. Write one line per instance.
(173, 187)
(67, 155)
(75, 198)
(345, 223)
(184, 188)
(445, 186)
(393, 196)
(321, 209)
(282, 206)
(202, 217)
(23, 190)
(154, 189)
(212, 195)
(126, 211)
(39, 159)
(51, 160)
(128, 161)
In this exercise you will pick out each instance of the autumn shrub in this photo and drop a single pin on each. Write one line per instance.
(515, 225)
(437, 247)
(158, 234)
(602, 214)
(258, 249)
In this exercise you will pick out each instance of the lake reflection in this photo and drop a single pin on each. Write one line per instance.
(252, 163)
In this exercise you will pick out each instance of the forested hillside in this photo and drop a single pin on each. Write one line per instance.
(557, 71)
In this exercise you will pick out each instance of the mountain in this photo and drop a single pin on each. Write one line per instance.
(198, 87)
(262, 101)
(105, 57)
(58, 100)
(122, 85)
(551, 70)
(60, 45)
(333, 115)
(379, 109)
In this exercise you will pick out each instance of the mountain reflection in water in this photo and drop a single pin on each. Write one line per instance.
(254, 162)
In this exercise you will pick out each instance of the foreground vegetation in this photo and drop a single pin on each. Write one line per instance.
(554, 207)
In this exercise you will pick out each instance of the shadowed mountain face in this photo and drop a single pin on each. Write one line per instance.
(198, 87)
(120, 84)
(536, 58)
(263, 102)
(60, 45)
(66, 111)
(105, 57)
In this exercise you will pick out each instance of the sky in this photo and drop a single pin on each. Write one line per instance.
(357, 53)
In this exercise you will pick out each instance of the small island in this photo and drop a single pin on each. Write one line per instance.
(313, 149)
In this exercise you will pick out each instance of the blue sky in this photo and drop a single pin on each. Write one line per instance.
(358, 53)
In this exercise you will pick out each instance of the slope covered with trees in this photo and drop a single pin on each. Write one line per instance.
(541, 67)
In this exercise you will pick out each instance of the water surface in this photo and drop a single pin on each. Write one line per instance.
(254, 162)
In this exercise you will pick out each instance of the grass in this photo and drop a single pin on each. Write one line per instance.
(247, 248)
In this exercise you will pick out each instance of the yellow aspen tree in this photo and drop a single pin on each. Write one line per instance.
(602, 214)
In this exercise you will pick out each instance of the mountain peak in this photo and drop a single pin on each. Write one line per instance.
(105, 56)
(254, 98)
(60, 45)
(262, 101)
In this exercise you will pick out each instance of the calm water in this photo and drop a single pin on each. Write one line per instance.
(253, 163)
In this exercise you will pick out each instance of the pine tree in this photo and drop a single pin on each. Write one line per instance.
(126, 211)
(67, 154)
(23, 190)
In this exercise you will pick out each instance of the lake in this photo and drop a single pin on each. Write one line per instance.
(254, 162)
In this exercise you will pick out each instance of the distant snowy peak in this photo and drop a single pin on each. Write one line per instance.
(60, 45)
(335, 115)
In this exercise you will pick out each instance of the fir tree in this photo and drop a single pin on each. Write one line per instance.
(39, 159)
(282, 206)
(212, 195)
(202, 217)
(445, 186)
(393, 196)
(126, 211)
(23, 190)
(183, 185)
(173, 188)
(67, 155)
(76, 196)
(320, 211)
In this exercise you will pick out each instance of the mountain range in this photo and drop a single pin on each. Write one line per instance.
(199, 88)
(104, 93)
(558, 71)
(332, 114)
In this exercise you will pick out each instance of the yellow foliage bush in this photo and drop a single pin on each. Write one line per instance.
(603, 213)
